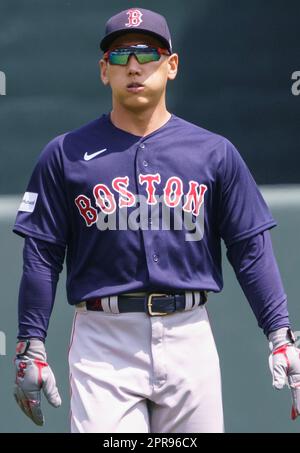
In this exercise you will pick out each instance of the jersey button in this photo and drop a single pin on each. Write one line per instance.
(155, 258)
(145, 163)
(142, 146)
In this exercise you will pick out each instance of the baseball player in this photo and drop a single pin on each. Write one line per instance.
(139, 200)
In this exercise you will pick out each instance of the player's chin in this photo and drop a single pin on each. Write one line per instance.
(136, 101)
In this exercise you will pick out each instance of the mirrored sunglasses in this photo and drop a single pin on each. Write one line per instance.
(143, 53)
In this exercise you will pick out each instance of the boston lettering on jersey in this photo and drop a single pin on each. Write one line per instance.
(173, 193)
(100, 172)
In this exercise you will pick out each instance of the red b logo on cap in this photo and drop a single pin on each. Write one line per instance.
(134, 18)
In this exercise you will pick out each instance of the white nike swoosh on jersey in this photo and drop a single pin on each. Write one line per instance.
(91, 156)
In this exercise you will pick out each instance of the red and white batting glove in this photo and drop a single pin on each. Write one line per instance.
(285, 365)
(33, 374)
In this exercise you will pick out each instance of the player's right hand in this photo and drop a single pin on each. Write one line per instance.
(33, 374)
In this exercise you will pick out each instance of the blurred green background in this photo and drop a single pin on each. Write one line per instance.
(236, 63)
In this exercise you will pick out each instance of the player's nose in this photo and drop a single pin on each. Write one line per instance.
(133, 66)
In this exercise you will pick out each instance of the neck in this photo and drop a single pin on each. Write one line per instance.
(139, 123)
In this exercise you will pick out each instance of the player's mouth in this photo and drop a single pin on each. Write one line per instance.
(135, 87)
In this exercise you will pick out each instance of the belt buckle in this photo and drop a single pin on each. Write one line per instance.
(149, 305)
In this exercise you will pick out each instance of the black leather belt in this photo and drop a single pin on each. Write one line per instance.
(153, 304)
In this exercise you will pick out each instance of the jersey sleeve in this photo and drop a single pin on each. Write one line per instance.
(243, 211)
(43, 212)
(257, 271)
(42, 264)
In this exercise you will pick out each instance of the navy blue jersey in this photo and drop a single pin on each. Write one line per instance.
(141, 213)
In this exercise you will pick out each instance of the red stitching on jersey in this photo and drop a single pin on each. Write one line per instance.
(118, 185)
(194, 199)
(173, 196)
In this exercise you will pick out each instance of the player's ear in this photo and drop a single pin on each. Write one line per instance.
(173, 61)
(103, 71)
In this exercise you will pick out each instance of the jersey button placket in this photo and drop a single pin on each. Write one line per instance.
(143, 167)
(155, 257)
(143, 161)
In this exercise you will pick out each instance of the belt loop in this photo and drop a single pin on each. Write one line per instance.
(114, 304)
(105, 304)
(197, 298)
(205, 297)
(188, 300)
(81, 307)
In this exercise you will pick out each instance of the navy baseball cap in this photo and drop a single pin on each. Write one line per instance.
(137, 20)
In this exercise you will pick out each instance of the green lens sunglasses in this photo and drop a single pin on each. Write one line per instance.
(143, 53)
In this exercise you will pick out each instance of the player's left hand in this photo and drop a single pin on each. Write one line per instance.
(285, 365)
